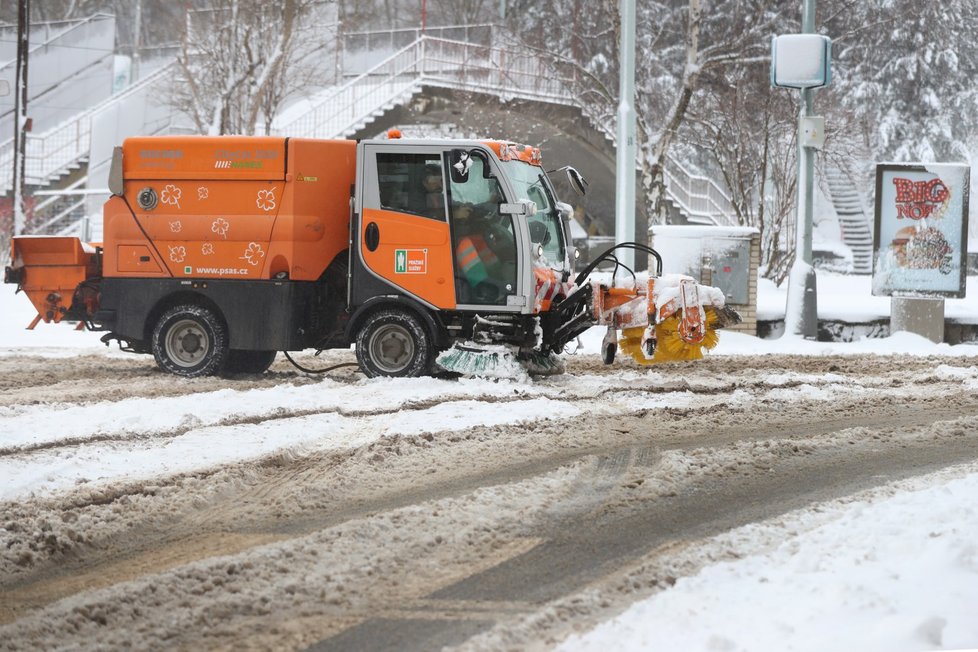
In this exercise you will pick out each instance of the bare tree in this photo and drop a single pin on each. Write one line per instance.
(732, 34)
(241, 59)
(746, 130)
(462, 12)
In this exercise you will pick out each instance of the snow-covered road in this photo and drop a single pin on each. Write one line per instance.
(286, 511)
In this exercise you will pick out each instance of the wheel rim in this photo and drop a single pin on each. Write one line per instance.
(391, 348)
(187, 344)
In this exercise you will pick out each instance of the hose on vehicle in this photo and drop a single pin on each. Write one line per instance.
(318, 371)
(609, 256)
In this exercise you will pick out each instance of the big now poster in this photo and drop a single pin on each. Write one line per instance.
(921, 229)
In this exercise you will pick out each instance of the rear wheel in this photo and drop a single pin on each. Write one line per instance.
(248, 362)
(190, 341)
(394, 343)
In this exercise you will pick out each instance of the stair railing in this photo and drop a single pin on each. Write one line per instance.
(340, 109)
(54, 150)
(698, 196)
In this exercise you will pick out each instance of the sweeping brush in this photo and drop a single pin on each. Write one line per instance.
(489, 362)
(670, 346)
(498, 361)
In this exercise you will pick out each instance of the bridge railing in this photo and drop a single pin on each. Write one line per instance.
(493, 69)
(485, 68)
(436, 61)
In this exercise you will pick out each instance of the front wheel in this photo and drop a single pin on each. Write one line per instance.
(394, 343)
(190, 341)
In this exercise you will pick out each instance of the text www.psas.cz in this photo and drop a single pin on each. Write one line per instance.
(222, 271)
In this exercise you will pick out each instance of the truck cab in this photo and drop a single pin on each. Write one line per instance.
(467, 233)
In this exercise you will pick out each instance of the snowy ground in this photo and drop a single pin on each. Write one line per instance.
(895, 568)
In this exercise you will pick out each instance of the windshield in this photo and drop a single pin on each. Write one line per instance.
(531, 183)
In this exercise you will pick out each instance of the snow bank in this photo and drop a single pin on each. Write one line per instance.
(895, 574)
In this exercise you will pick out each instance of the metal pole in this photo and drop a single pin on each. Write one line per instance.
(20, 114)
(137, 42)
(801, 311)
(625, 158)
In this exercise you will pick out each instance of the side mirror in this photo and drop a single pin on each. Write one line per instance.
(460, 164)
(538, 233)
(576, 181)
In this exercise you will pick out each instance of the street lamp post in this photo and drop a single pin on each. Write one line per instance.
(625, 159)
(801, 311)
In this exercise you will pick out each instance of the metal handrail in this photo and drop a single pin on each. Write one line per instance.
(65, 143)
(77, 24)
(697, 195)
(439, 62)
(57, 218)
(318, 113)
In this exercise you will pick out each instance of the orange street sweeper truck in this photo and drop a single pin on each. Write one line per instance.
(424, 254)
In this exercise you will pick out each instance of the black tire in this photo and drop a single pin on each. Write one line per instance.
(190, 341)
(394, 343)
(608, 354)
(248, 362)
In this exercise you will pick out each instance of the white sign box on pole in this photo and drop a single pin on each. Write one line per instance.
(801, 61)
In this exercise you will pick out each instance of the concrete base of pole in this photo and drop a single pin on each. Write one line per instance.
(809, 308)
(801, 311)
(919, 315)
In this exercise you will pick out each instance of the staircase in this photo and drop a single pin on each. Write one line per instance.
(346, 109)
(504, 72)
(856, 232)
(55, 152)
(698, 198)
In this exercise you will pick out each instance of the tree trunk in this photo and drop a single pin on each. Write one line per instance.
(653, 180)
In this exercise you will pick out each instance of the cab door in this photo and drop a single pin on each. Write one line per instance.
(403, 237)
(485, 243)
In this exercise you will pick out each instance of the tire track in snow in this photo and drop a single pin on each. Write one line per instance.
(18, 429)
(198, 449)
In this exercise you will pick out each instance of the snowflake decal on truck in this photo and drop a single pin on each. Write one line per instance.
(253, 254)
(177, 254)
(171, 195)
(266, 200)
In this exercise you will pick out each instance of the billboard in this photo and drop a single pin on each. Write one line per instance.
(920, 234)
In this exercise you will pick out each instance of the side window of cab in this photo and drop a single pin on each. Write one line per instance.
(412, 183)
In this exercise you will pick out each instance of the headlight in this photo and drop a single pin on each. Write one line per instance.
(539, 251)
(577, 254)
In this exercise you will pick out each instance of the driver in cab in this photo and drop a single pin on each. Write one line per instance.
(485, 249)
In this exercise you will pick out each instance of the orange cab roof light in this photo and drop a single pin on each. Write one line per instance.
(507, 151)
